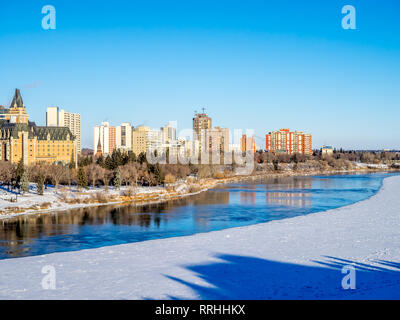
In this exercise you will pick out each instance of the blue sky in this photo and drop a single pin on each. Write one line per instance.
(260, 65)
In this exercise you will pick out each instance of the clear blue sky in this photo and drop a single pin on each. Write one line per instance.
(261, 65)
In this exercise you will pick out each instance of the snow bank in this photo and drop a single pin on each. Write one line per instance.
(297, 258)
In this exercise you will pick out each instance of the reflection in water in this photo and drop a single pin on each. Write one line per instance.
(291, 197)
(224, 207)
(248, 197)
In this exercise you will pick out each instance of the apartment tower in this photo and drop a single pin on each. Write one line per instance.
(286, 141)
(62, 118)
(104, 136)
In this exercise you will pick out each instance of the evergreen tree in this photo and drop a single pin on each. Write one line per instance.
(108, 163)
(132, 157)
(156, 170)
(117, 179)
(82, 180)
(40, 184)
(117, 159)
(72, 163)
(100, 161)
(25, 181)
(295, 159)
(276, 164)
(142, 158)
(85, 161)
(19, 172)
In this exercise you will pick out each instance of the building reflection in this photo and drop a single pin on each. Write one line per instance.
(18, 233)
(248, 198)
(290, 183)
(202, 212)
(296, 194)
(293, 199)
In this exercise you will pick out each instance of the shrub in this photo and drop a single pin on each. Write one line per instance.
(219, 175)
(101, 197)
(169, 178)
(194, 188)
(128, 193)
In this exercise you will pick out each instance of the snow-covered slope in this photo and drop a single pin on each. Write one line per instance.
(298, 258)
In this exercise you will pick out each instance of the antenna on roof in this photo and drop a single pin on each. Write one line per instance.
(204, 109)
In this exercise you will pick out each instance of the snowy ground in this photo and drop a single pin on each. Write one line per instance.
(298, 258)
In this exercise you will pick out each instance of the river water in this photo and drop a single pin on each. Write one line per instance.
(224, 207)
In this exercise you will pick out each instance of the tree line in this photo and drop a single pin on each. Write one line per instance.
(127, 169)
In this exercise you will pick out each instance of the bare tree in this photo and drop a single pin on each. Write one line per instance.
(7, 170)
(129, 174)
(133, 174)
(56, 172)
(70, 175)
(93, 173)
(105, 175)
(124, 175)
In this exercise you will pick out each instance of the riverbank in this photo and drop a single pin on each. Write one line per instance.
(296, 258)
(68, 198)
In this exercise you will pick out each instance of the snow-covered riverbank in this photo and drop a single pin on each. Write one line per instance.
(68, 198)
(298, 258)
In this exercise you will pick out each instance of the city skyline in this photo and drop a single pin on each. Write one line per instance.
(261, 66)
(52, 119)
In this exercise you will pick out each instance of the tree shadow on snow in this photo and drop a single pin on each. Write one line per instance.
(245, 278)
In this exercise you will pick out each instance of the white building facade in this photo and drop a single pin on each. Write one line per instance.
(123, 137)
(61, 118)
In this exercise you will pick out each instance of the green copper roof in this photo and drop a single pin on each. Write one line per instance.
(54, 133)
(8, 129)
(17, 100)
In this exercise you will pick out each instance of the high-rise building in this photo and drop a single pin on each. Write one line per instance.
(201, 121)
(286, 141)
(52, 117)
(212, 139)
(168, 133)
(73, 122)
(139, 140)
(61, 118)
(123, 137)
(153, 140)
(187, 148)
(22, 139)
(247, 144)
(215, 139)
(105, 135)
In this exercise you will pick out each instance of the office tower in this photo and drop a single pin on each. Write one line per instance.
(169, 133)
(153, 140)
(139, 139)
(52, 117)
(201, 121)
(123, 137)
(215, 139)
